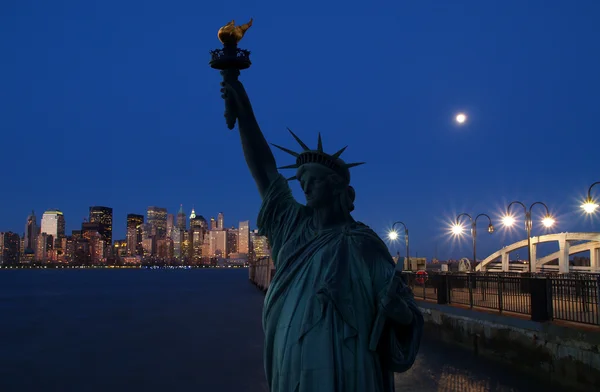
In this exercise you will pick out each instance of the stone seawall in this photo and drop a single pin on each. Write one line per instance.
(566, 355)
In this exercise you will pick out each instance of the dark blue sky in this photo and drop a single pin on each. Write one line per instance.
(113, 103)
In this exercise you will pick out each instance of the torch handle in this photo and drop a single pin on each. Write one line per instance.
(230, 117)
(230, 75)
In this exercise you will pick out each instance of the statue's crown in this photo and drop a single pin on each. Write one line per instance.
(319, 157)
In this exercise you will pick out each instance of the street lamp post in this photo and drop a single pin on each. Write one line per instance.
(590, 204)
(509, 220)
(457, 229)
(393, 235)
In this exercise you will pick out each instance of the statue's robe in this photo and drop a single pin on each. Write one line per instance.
(321, 305)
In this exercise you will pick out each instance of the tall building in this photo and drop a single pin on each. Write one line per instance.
(244, 237)
(90, 232)
(205, 250)
(146, 231)
(213, 224)
(177, 237)
(69, 249)
(186, 246)
(134, 234)
(164, 248)
(197, 238)
(89, 229)
(10, 244)
(181, 221)
(149, 246)
(97, 247)
(103, 216)
(260, 245)
(43, 244)
(120, 248)
(157, 217)
(232, 240)
(53, 224)
(220, 221)
(170, 224)
(218, 243)
(198, 221)
(31, 232)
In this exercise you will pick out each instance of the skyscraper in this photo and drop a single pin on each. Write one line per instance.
(134, 234)
(232, 240)
(157, 217)
(244, 237)
(9, 248)
(220, 221)
(103, 216)
(90, 230)
(177, 237)
(218, 243)
(170, 224)
(53, 223)
(31, 232)
(260, 245)
(198, 221)
(43, 243)
(213, 224)
(181, 221)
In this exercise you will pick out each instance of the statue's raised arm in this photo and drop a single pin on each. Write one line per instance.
(258, 154)
(230, 60)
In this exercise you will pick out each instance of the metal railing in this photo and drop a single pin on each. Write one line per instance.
(568, 297)
(575, 300)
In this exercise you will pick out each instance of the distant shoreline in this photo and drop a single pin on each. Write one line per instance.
(19, 267)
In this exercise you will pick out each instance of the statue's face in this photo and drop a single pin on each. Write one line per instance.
(316, 186)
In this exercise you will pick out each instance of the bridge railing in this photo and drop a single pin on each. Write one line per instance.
(544, 297)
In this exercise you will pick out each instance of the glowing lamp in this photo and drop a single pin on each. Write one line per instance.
(457, 229)
(508, 221)
(589, 206)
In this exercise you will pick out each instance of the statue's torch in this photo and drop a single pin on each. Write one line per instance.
(231, 59)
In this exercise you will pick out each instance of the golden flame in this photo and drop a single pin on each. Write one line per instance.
(230, 34)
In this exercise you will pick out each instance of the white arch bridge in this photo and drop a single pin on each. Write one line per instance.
(567, 247)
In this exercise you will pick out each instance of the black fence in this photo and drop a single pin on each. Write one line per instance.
(544, 297)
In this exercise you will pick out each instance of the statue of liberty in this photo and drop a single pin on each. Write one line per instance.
(332, 273)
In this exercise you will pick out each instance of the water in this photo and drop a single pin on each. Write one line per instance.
(169, 330)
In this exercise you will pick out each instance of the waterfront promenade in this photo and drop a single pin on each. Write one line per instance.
(173, 330)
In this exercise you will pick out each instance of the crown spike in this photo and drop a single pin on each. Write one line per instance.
(294, 166)
(337, 154)
(300, 142)
(286, 150)
(349, 165)
(319, 144)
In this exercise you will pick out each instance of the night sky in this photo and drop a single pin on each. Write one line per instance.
(113, 103)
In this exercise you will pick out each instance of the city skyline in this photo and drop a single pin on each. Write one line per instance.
(445, 243)
(117, 227)
(157, 237)
(120, 108)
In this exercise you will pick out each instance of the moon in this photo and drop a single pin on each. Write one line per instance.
(461, 118)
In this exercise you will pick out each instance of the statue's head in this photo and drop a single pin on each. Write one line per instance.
(324, 188)
(324, 178)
